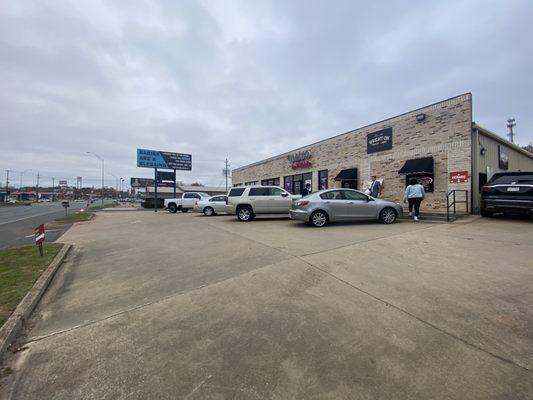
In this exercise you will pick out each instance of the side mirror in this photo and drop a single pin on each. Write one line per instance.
(369, 198)
(284, 194)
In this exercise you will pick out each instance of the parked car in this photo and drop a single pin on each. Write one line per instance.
(325, 206)
(248, 201)
(186, 202)
(508, 193)
(211, 206)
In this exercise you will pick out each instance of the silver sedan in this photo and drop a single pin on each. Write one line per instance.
(211, 206)
(325, 206)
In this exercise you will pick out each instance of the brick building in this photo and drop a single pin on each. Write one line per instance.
(439, 144)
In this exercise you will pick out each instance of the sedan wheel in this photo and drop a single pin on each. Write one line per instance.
(208, 211)
(319, 219)
(387, 216)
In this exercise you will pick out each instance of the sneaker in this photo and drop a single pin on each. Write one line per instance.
(416, 218)
(410, 214)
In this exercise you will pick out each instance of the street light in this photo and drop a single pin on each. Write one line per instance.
(116, 184)
(121, 187)
(22, 173)
(101, 159)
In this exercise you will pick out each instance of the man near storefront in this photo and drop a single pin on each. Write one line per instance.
(375, 187)
(306, 190)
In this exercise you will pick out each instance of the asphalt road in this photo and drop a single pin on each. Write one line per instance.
(17, 222)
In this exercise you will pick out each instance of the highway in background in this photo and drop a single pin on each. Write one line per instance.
(17, 222)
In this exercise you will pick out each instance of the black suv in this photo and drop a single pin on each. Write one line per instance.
(509, 193)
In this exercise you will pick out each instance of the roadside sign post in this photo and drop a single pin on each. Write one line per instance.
(155, 189)
(66, 205)
(39, 238)
(174, 183)
(163, 160)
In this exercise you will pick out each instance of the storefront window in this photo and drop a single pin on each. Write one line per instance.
(323, 179)
(270, 182)
(251, 183)
(295, 183)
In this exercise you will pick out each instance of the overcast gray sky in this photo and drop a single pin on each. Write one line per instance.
(242, 79)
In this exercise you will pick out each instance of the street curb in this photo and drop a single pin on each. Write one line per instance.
(23, 311)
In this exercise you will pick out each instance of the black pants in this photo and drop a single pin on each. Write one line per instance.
(416, 203)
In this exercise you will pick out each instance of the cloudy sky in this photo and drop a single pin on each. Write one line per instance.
(242, 79)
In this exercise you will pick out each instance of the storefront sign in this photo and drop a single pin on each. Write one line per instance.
(459, 177)
(164, 160)
(300, 160)
(424, 179)
(379, 141)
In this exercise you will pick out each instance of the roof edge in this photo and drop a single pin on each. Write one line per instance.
(350, 131)
(502, 140)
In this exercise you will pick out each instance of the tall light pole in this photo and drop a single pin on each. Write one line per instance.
(22, 173)
(101, 159)
(116, 184)
(121, 190)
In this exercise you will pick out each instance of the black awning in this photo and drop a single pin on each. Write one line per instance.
(418, 165)
(346, 174)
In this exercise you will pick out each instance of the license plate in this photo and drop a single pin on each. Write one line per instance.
(513, 189)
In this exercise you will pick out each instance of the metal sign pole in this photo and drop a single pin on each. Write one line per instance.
(155, 189)
(174, 183)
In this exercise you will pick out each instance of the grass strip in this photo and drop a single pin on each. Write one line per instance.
(20, 267)
(78, 217)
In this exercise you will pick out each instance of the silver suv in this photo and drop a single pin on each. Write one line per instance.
(248, 201)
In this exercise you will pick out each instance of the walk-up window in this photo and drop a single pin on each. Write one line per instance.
(270, 182)
(323, 179)
(421, 169)
(295, 183)
(348, 178)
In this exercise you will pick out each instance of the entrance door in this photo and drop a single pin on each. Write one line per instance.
(297, 184)
(349, 184)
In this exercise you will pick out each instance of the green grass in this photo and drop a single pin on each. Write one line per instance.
(78, 217)
(20, 267)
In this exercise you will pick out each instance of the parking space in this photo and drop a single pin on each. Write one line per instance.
(186, 306)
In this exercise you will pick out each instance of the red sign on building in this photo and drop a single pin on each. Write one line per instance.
(459, 177)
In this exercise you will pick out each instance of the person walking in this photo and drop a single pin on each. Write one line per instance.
(375, 187)
(414, 194)
(306, 190)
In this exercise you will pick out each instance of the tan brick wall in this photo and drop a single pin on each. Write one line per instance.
(445, 135)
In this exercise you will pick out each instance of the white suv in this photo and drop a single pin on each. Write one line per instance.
(248, 201)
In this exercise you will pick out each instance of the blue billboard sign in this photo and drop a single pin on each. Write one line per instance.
(164, 160)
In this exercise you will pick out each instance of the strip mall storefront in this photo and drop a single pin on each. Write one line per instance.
(439, 145)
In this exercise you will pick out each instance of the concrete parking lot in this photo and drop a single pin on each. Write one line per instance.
(182, 306)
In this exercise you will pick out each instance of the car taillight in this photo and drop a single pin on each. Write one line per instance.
(302, 202)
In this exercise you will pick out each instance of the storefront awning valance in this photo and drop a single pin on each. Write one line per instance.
(418, 165)
(347, 174)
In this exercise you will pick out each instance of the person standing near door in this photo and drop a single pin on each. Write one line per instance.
(414, 194)
(306, 190)
(375, 187)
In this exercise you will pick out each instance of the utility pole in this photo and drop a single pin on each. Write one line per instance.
(53, 189)
(7, 184)
(37, 189)
(226, 172)
(510, 125)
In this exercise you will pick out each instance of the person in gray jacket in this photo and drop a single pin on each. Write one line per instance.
(414, 194)
(375, 187)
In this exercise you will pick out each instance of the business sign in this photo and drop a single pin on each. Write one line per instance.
(62, 183)
(141, 182)
(379, 141)
(164, 176)
(423, 178)
(164, 160)
(459, 177)
(300, 160)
